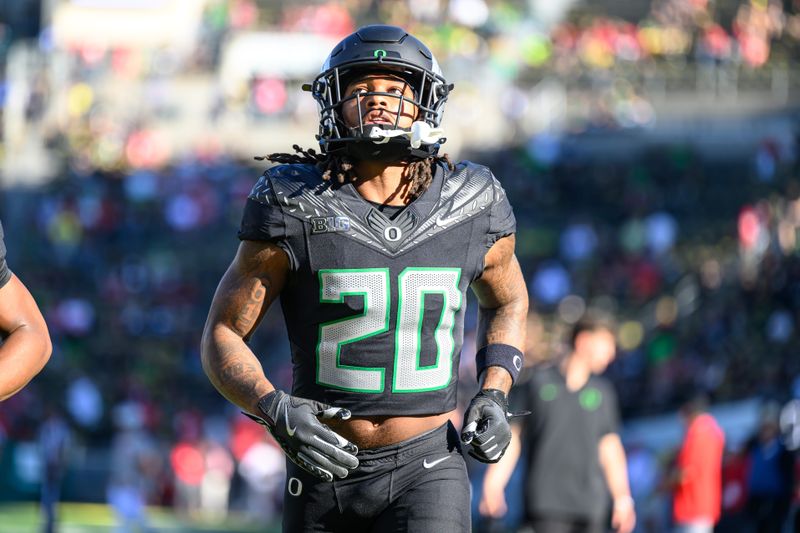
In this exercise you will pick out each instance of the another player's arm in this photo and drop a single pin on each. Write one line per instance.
(493, 500)
(503, 307)
(615, 469)
(26, 343)
(253, 281)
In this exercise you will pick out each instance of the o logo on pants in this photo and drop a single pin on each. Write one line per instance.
(295, 486)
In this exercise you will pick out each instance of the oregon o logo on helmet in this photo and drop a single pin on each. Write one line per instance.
(380, 54)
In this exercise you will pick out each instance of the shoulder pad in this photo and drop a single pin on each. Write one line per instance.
(467, 190)
(298, 190)
(286, 178)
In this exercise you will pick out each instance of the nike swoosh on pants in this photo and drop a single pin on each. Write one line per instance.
(426, 464)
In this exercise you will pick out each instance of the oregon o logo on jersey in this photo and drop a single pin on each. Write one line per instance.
(392, 234)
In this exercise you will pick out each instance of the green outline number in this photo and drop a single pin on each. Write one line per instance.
(413, 285)
(372, 284)
(373, 287)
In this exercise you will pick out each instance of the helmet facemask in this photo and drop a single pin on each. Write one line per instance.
(377, 141)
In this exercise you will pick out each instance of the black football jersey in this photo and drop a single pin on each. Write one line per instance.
(5, 273)
(374, 306)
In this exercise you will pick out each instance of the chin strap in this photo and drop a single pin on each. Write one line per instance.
(420, 133)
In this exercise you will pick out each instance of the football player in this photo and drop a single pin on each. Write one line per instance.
(26, 342)
(371, 245)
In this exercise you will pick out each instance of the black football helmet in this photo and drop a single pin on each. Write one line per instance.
(380, 48)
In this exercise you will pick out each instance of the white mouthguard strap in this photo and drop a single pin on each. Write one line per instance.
(420, 133)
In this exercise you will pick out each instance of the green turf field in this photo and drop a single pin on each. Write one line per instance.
(97, 518)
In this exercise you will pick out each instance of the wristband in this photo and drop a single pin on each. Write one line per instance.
(502, 355)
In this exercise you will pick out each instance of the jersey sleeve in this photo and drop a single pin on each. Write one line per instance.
(609, 410)
(501, 216)
(5, 273)
(263, 219)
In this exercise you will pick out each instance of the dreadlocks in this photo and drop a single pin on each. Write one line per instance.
(340, 167)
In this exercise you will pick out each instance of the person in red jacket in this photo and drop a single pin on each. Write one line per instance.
(697, 479)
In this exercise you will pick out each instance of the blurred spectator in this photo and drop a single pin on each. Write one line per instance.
(770, 477)
(644, 473)
(216, 483)
(54, 445)
(188, 462)
(135, 465)
(263, 470)
(697, 478)
(551, 283)
(84, 402)
(734, 491)
(261, 467)
(219, 469)
(574, 453)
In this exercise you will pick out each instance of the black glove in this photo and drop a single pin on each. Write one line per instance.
(486, 425)
(309, 443)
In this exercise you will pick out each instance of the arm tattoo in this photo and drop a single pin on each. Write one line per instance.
(251, 309)
(503, 298)
(247, 289)
(241, 378)
(236, 372)
(501, 324)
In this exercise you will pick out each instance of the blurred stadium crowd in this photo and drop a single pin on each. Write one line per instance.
(124, 242)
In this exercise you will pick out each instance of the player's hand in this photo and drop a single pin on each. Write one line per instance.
(486, 425)
(310, 444)
(493, 503)
(623, 519)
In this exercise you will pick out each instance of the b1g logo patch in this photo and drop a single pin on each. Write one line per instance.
(329, 225)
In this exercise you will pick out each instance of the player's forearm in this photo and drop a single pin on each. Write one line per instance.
(22, 355)
(504, 324)
(496, 377)
(233, 368)
(503, 299)
(612, 459)
(498, 474)
(503, 310)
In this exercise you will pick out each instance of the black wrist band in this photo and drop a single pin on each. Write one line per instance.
(502, 355)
